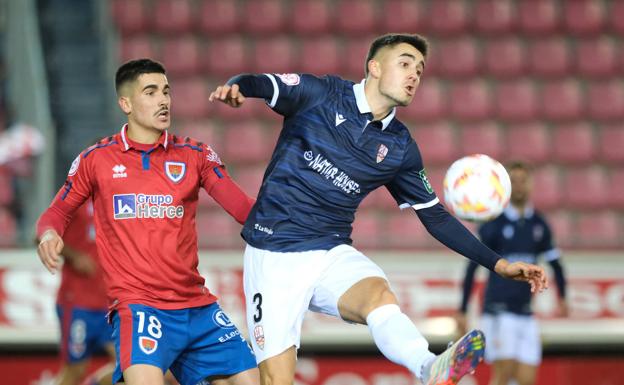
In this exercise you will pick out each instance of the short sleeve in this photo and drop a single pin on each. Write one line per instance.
(411, 187)
(296, 92)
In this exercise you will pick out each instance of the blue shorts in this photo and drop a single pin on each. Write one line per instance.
(194, 343)
(83, 331)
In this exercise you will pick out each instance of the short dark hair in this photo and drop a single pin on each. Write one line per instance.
(391, 39)
(131, 70)
(519, 165)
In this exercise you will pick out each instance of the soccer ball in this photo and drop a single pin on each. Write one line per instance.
(477, 188)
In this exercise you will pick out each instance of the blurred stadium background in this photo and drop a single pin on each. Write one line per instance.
(541, 81)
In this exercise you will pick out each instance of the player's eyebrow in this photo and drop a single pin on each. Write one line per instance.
(155, 87)
(409, 55)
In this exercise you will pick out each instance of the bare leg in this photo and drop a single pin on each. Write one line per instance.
(142, 374)
(277, 370)
(248, 377)
(71, 374)
(363, 297)
(526, 374)
(502, 371)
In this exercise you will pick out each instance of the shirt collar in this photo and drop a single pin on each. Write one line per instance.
(364, 107)
(513, 214)
(163, 140)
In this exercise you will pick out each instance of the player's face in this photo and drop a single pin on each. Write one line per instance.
(520, 186)
(401, 67)
(150, 102)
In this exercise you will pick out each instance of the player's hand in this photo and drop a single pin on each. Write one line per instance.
(229, 95)
(50, 246)
(461, 323)
(520, 271)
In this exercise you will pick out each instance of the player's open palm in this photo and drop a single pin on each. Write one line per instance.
(229, 95)
(49, 249)
(521, 271)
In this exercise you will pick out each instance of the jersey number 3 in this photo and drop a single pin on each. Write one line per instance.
(257, 300)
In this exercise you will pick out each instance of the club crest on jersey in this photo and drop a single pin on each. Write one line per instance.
(382, 151)
(175, 171)
(289, 79)
(259, 336)
(148, 345)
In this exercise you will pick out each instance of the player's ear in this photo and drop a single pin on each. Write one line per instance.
(124, 104)
(373, 68)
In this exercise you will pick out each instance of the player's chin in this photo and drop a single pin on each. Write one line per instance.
(162, 124)
(404, 101)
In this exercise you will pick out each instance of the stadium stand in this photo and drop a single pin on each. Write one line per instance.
(533, 80)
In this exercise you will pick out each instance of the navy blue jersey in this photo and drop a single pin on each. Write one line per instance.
(328, 158)
(517, 239)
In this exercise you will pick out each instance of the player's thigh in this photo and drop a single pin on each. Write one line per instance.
(216, 348)
(278, 288)
(351, 286)
(501, 336)
(143, 374)
(280, 369)
(147, 336)
(502, 371)
(248, 377)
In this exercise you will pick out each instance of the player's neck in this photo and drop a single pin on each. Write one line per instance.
(379, 104)
(143, 135)
(520, 207)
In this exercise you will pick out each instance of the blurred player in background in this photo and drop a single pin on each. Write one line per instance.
(81, 304)
(519, 234)
(144, 183)
(339, 142)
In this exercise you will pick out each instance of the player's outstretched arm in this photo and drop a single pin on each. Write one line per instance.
(49, 249)
(526, 272)
(228, 94)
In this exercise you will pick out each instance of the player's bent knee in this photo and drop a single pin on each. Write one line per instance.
(364, 297)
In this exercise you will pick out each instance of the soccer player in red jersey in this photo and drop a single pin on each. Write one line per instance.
(81, 303)
(144, 183)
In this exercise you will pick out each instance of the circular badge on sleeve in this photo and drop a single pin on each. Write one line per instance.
(74, 166)
(289, 79)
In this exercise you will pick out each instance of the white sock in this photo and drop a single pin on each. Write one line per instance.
(398, 339)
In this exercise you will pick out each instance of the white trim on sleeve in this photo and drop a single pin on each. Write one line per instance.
(552, 254)
(275, 91)
(420, 206)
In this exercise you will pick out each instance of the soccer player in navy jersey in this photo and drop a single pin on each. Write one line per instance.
(519, 234)
(144, 184)
(339, 142)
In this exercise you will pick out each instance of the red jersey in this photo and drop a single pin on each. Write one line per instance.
(78, 289)
(145, 199)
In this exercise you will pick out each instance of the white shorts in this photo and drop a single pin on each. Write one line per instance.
(281, 287)
(510, 336)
